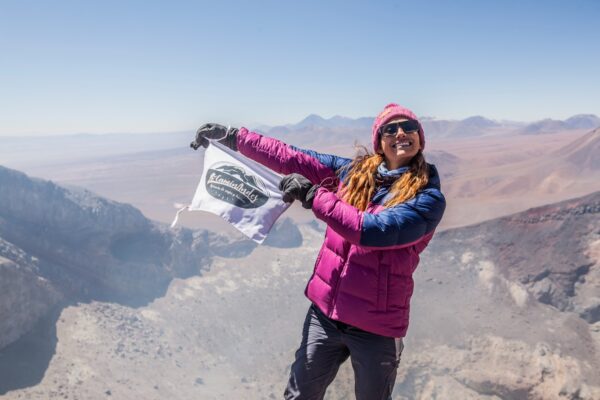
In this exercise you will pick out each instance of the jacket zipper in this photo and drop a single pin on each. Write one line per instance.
(337, 286)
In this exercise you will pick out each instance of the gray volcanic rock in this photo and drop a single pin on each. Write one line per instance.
(545, 248)
(68, 244)
(24, 295)
(88, 247)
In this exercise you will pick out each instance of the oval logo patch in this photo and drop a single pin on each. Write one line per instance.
(235, 186)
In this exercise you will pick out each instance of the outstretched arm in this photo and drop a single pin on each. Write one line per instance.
(287, 159)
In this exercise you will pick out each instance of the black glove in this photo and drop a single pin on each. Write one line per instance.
(224, 135)
(297, 187)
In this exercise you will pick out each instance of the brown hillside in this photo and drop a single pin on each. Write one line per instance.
(583, 152)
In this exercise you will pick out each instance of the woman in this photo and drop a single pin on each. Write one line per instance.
(381, 211)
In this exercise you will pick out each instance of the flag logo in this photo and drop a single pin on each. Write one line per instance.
(234, 185)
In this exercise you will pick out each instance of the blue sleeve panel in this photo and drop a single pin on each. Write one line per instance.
(405, 223)
(329, 160)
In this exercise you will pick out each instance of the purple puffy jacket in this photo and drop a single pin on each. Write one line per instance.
(363, 273)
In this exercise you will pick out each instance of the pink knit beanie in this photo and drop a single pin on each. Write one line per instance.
(390, 112)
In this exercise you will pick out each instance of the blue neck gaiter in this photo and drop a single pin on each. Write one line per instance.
(387, 177)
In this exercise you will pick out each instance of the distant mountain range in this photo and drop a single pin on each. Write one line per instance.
(472, 126)
(582, 121)
(313, 131)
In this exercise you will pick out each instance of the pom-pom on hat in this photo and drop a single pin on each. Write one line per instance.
(390, 112)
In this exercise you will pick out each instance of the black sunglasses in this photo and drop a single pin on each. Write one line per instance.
(408, 127)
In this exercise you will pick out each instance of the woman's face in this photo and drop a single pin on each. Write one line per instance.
(398, 150)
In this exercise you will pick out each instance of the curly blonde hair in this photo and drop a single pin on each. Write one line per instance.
(360, 185)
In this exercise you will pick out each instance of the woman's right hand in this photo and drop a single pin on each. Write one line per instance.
(297, 187)
(220, 133)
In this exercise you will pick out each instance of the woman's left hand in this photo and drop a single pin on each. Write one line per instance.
(297, 187)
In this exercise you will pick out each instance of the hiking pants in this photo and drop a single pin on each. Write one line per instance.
(326, 344)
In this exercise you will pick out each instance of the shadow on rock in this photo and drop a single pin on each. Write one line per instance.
(24, 362)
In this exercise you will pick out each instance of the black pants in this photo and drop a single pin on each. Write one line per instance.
(326, 344)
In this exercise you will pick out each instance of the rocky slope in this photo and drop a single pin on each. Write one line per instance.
(25, 296)
(508, 309)
(62, 245)
(550, 250)
(484, 324)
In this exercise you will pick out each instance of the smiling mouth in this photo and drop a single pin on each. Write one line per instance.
(402, 144)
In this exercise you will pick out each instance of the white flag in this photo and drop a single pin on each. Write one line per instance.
(241, 191)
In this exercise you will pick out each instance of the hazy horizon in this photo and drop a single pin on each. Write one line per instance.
(259, 124)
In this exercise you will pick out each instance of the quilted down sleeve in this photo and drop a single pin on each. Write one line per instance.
(399, 226)
(286, 159)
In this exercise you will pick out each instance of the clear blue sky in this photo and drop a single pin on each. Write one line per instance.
(147, 66)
